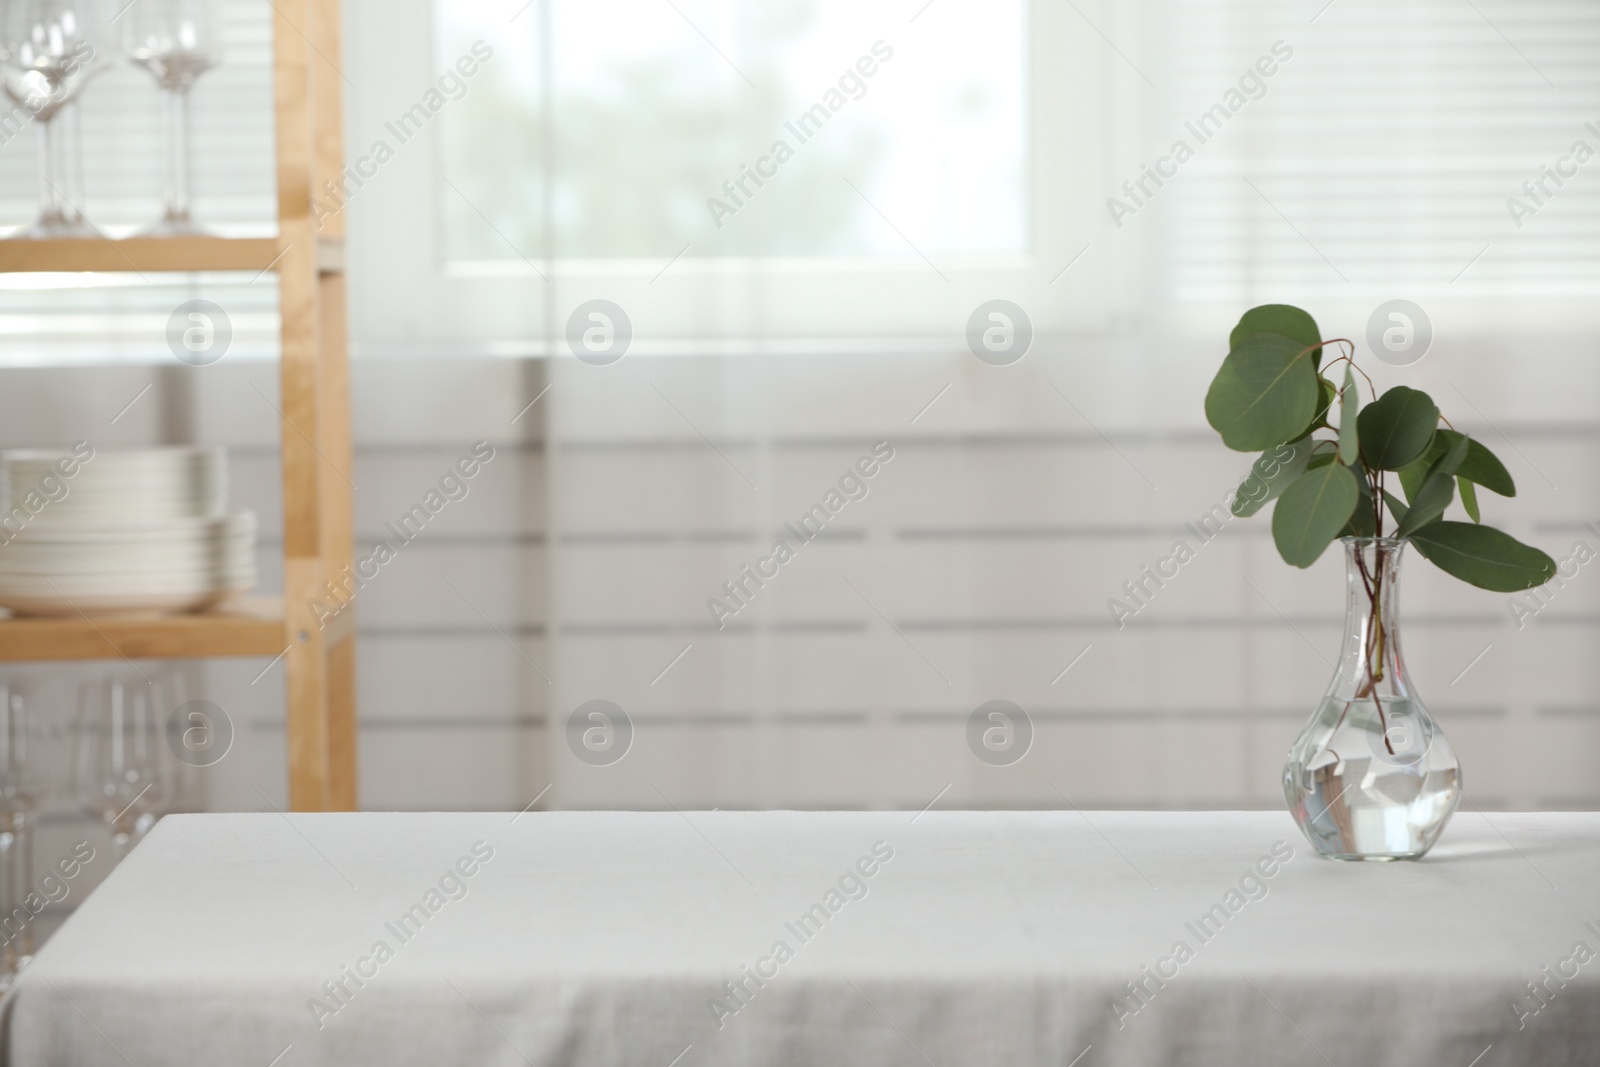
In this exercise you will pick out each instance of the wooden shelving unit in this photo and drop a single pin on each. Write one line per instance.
(315, 403)
(252, 627)
(152, 254)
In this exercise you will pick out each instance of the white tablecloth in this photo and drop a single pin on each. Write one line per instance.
(749, 939)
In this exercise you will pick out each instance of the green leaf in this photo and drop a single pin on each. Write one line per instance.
(1436, 492)
(1349, 436)
(1322, 457)
(1271, 474)
(1482, 556)
(1480, 465)
(1397, 428)
(1362, 520)
(1265, 393)
(1312, 511)
(1396, 508)
(1469, 498)
(1454, 456)
(1412, 477)
(1284, 319)
(1327, 396)
(1434, 496)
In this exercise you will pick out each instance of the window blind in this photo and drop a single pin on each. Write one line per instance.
(1383, 159)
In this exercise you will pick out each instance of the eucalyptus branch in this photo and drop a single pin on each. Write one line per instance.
(1350, 358)
(1265, 396)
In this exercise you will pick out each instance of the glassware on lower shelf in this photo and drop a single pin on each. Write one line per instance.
(18, 805)
(121, 775)
(1372, 776)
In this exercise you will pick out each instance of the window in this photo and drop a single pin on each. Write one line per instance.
(739, 175)
(616, 130)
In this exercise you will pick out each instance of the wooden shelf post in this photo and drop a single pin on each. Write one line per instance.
(317, 469)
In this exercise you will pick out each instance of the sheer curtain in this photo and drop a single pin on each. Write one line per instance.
(1376, 161)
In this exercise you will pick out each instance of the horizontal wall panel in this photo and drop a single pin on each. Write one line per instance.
(438, 678)
(472, 767)
(978, 566)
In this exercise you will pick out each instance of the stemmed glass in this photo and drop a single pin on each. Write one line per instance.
(121, 773)
(176, 41)
(18, 801)
(47, 56)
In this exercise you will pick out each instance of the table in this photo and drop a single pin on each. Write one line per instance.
(946, 939)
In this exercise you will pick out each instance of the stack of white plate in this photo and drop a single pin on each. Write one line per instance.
(129, 531)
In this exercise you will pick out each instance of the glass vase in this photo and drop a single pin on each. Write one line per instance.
(1372, 777)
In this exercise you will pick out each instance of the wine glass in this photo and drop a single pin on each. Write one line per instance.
(47, 56)
(18, 801)
(121, 773)
(176, 41)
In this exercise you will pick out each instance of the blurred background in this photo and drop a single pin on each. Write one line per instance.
(997, 151)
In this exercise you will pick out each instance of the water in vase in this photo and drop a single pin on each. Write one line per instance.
(1372, 786)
